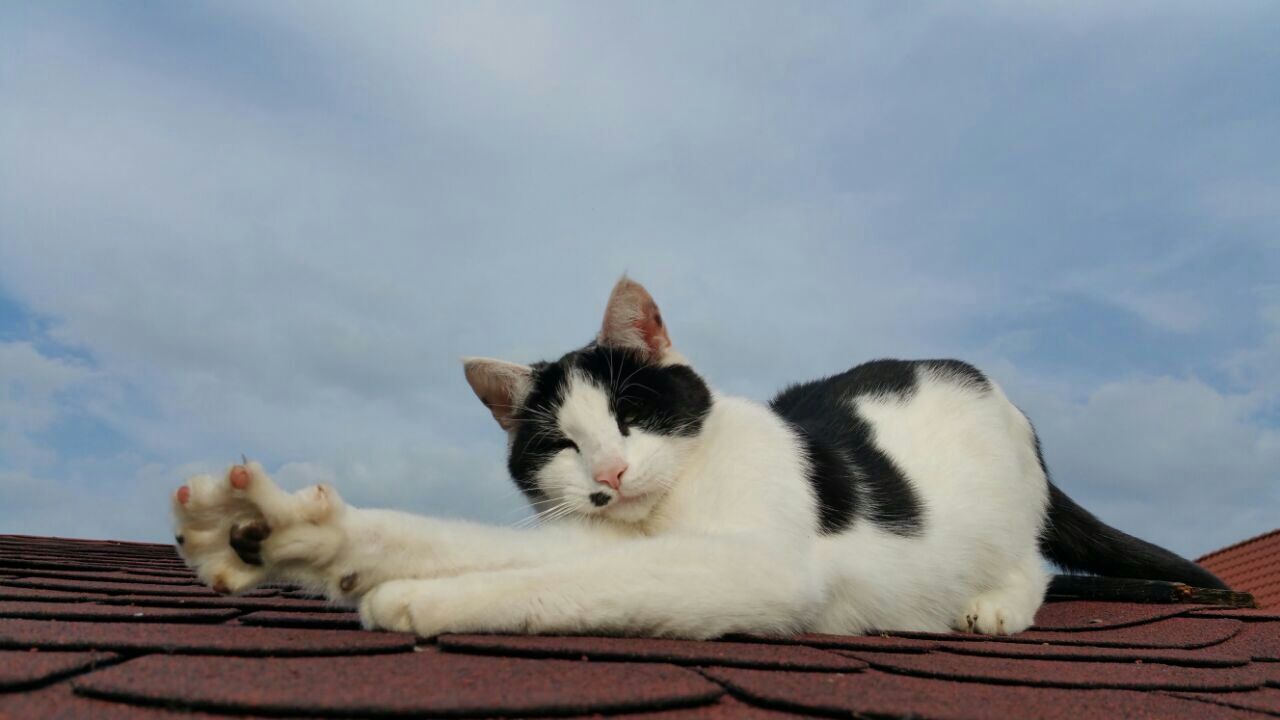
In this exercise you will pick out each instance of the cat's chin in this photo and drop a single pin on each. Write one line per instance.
(628, 509)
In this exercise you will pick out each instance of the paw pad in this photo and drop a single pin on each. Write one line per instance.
(246, 539)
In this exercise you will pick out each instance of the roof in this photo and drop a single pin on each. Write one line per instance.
(1252, 565)
(124, 630)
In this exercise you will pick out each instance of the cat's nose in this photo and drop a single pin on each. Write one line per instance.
(611, 475)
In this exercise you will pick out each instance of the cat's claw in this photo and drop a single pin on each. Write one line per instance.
(234, 530)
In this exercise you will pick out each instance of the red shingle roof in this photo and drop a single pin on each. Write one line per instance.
(123, 630)
(1252, 566)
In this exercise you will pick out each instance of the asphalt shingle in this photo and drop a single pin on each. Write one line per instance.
(418, 683)
(195, 639)
(109, 613)
(24, 668)
(730, 654)
(1170, 633)
(300, 619)
(1074, 673)
(882, 694)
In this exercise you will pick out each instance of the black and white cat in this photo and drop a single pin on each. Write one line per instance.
(899, 495)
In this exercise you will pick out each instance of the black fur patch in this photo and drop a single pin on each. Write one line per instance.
(665, 400)
(959, 371)
(834, 481)
(851, 476)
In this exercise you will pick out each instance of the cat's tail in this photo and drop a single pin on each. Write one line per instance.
(1075, 540)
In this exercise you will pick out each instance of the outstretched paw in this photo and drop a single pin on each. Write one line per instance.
(239, 530)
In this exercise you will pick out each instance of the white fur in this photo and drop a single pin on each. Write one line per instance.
(721, 536)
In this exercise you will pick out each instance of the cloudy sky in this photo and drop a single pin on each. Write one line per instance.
(273, 228)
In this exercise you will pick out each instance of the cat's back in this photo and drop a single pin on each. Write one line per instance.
(901, 403)
(885, 379)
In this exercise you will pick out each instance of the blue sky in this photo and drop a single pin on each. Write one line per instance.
(273, 228)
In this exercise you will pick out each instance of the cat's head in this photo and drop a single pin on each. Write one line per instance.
(604, 430)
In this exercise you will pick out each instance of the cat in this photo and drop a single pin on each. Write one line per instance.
(895, 496)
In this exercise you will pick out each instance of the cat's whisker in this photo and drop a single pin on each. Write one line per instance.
(539, 517)
(612, 381)
(630, 385)
(541, 505)
(628, 378)
(555, 513)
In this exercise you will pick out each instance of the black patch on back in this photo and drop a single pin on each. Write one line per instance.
(850, 475)
(958, 371)
(833, 479)
(665, 400)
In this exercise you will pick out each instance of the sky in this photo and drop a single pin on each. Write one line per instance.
(274, 228)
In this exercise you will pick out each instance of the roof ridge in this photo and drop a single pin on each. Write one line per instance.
(99, 541)
(1239, 544)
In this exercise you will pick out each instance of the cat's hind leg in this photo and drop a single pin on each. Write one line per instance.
(240, 530)
(1011, 607)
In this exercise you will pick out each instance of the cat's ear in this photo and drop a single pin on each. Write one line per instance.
(500, 385)
(632, 321)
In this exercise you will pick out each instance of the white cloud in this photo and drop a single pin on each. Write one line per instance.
(31, 389)
(1255, 366)
(44, 505)
(1171, 311)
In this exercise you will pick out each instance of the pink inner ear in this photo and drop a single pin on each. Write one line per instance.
(498, 385)
(503, 412)
(498, 399)
(632, 320)
(652, 328)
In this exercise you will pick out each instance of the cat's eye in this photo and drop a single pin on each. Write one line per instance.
(568, 444)
(624, 425)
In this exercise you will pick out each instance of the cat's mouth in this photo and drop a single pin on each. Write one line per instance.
(603, 499)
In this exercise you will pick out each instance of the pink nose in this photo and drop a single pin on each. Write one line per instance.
(611, 476)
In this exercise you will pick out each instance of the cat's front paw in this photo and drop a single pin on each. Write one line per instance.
(402, 606)
(237, 530)
(427, 608)
(997, 613)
